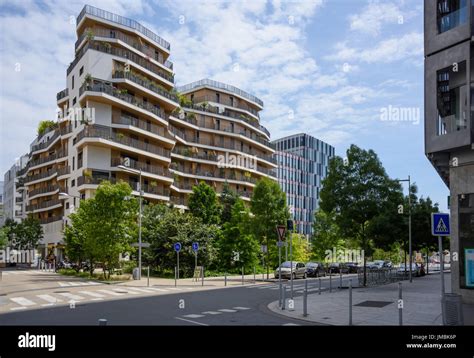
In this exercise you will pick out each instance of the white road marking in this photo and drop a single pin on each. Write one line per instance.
(63, 284)
(93, 294)
(241, 308)
(18, 308)
(291, 324)
(188, 320)
(93, 283)
(72, 296)
(23, 301)
(140, 289)
(108, 292)
(227, 310)
(49, 298)
(157, 289)
(120, 290)
(193, 316)
(212, 312)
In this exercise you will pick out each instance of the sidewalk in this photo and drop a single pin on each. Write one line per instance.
(422, 305)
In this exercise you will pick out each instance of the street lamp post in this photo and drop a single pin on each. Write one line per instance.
(140, 192)
(409, 226)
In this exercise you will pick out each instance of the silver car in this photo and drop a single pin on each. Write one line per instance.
(298, 271)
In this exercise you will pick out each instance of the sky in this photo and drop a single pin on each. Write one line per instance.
(345, 71)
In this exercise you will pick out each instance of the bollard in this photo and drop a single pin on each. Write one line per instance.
(254, 280)
(242, 275)
(319, 290)
(175, 283)
(330, 281)
(202, 276)
(400, 305)
(225, 279)
(283, 299)
(148, 276)
(340, 280)
(102, 322)
(305, 298)
(350, 302)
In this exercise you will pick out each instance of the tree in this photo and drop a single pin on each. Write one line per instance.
(44, 126)
(203, 204)
(300, 248)
(3, 237)
(268, 206)
(28, 233)
(237, 237)
(358, 190)
(103, 226)
(326, 235)
(164, 226)
(227, 200)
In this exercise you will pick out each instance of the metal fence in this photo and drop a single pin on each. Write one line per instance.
(376, 277)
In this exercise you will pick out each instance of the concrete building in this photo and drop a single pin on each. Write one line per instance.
(449, 121)
(120, 116)
(302, 164)
(2, 209)
(13, 199)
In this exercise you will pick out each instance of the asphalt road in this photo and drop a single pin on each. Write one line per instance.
(246, 305)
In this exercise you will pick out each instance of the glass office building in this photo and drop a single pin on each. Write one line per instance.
(302, 165)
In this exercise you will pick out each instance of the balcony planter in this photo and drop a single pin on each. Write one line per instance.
(90, 35)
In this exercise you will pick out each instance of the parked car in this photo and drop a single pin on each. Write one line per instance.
(315, 269)
(352, 267)
(387, 264)
(297, 271)
(371, 265)
(379, 264)
(334, 267)
(415, 269)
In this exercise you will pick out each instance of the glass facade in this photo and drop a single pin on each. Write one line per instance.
(466, 240)
(302, 165)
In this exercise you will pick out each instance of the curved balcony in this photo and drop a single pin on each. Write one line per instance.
(43, 191)
(46, 205)
(50, 219)
(132, 24)
(145, 168)
(64, 171)
(217, 174)
(226, 102)
(102, 87)
(40, 161)
(47, 143)
(126, 55)
(219, 144)
(40, 176)
(129, 40)
(63, 94)
(127, 120)
(146, 188)
(146, 84)
(103, 132)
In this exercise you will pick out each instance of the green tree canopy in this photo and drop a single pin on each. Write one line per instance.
(28, 234)
(203, 204)
(326, 235)
(103, 226)
(227, 200)
(44, 126)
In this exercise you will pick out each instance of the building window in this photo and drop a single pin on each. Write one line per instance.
(72, 85)
(81, 71)
(79, 160)
(73, 182)
(452, 95)
(218, 98)
(451, 14)
(67, 205)
(74, 101)
(73, 163)
(466, 240)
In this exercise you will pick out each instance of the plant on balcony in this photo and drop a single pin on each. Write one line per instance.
(247, 174)
(45, 126)
(194, 150)
(87, 173)
(90, 35)
(176, 177)
(153, 184)
(120, 135)
(186, 152)
(107, 46)
(183, 100)
(204, 105)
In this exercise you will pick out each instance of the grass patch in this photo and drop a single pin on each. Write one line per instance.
(95, 276)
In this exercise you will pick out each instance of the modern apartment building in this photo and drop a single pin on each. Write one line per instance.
(449, 123)
(13, 199)
(219, 139)
(120, 118)
(302, 164)
(2, 211)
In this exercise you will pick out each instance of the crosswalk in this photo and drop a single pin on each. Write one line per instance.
(297, 288)
(43, 300)
(77, 283)
(24, 272)
(192, 316)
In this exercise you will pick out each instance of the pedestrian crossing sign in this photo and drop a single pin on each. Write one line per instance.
(440, 224)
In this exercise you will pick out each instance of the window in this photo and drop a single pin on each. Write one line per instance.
(81, 71)
(67, 205)
(79, 160)
(73, 182)
(218, 98)
(451, 14)
(72, 82)
(73, 163)
(466, 240)
(74, 101)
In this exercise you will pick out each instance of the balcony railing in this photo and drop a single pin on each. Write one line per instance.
(220, 144)
(39, 176)
(217, 173)
(50, 219)
(47, 189)
(59, 154)
(219, 85)
(66, 129)
(177, 200)
(46, 143)
(18, 213)
(147, 168)
(64, 170)
(229, 129)
(124, 119)
(226, 102)
(129, 40)
(146, 188)
(102, 87)
(97, 131)
(215, 110)
(19, 199)
(109, 16)
(23, 171)
(62, 94)
(146, 84)
(187, 152)
(126, 54)
(44, 205)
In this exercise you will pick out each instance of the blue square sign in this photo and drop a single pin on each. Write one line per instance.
(440, 224)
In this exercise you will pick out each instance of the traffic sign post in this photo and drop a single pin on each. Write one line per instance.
(195, 246)
(281, 229)
(289, 224)
(177, 248)
(440, 227)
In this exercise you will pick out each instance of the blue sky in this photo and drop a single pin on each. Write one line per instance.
(325, 67)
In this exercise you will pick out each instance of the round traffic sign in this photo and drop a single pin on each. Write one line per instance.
(177, 247)
(195, 246)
